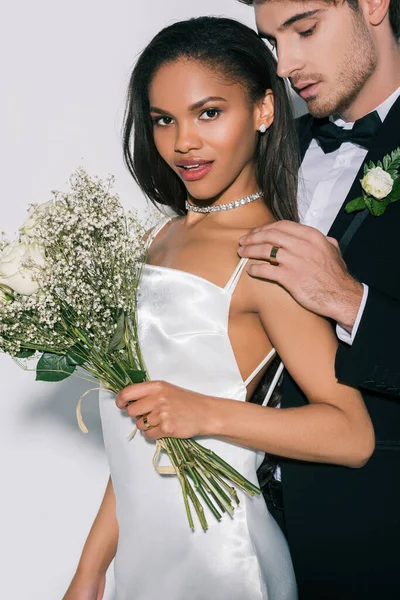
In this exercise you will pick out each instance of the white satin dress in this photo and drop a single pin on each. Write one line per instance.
(183, 330)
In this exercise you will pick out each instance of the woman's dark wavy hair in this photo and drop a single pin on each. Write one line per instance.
(394, 11)
(235, 51)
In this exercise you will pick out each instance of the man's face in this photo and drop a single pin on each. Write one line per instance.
(325, 49)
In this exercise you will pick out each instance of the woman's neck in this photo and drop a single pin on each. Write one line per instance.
(241, 217)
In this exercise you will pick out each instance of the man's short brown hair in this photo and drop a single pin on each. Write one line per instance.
(394, 11)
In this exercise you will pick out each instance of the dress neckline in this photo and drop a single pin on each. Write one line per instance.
(263, 363)
(223, 289)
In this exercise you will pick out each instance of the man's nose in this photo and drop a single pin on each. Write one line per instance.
(289, 62)
(187, 138)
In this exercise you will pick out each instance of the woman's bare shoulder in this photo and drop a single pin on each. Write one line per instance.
(158, 229)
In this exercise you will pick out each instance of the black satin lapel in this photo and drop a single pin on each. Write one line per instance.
(304, 125)
(387, 140)
(352, 229)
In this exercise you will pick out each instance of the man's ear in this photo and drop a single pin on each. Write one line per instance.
(265, 111)
(375, 10)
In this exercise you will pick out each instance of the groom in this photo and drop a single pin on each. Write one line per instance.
(343, 58)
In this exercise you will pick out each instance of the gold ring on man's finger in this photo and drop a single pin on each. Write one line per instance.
(273, 255)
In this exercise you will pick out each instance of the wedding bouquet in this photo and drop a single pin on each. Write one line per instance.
(68, 299)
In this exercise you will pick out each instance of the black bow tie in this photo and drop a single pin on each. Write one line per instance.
(331, 137)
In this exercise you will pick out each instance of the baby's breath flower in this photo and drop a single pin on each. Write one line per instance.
(94, 254)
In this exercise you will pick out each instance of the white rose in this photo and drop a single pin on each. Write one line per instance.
(13, 270)
(33, 215)
(377, 183)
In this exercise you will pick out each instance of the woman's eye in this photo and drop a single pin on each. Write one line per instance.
(163, 121)
(308, 32)
(210, 114)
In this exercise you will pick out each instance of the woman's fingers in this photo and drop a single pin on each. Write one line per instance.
(148, 421)
(140, 408)
(137, 391)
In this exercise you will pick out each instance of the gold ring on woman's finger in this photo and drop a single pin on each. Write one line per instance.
(273, 255)
(146, 423)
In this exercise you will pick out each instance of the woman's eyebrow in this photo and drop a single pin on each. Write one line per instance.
(204, 101)
(192, 107)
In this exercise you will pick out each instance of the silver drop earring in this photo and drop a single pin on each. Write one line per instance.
(262, 128)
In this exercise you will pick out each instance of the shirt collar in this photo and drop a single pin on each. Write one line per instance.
(382, 110)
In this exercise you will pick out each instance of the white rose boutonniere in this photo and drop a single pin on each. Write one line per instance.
(377, 183)
(380, 184)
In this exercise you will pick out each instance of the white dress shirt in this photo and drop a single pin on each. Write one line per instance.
(325, 181)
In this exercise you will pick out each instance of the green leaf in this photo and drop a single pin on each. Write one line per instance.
(393, 163)
(53, 367)
(395, 156)
(136, 376)
(395, 193)
(74, 356)
(357, 204)
(25, 353)
(376, 207)
(118, 340)
(379, 164)
(371, 165)
(366, 169)
(386, 162)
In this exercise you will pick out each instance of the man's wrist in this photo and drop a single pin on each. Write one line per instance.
(345, 312)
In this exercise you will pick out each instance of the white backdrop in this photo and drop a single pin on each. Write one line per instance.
(64, 70)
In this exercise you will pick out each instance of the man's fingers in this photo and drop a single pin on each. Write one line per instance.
(334, 242)
(269, 236)
(259, 245)
(293, 230)
(265, 271)
(263, 252)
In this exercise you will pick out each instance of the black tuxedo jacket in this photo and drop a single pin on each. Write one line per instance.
(343, 524)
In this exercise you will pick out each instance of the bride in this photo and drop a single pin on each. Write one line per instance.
(209, 133)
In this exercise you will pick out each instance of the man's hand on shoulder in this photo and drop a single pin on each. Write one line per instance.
(310, 267)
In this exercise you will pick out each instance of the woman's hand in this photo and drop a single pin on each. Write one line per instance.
(86, 588)
(166, 410)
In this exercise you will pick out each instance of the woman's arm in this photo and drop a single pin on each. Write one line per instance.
(334, 428)
(98, 552)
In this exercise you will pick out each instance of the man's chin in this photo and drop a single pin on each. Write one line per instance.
(319, 109)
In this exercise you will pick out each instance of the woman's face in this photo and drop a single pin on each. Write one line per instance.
(205, 128)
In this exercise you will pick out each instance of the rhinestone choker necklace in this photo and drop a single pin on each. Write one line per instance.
(218, 207)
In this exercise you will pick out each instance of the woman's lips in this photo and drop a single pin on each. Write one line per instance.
(194, 172)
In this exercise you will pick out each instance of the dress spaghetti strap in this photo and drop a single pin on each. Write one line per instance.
(234, 279)
(262, 364)
(156, 230)
(230, 287)
(274, 383)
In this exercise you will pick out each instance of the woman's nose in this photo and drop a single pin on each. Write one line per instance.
(187, 138)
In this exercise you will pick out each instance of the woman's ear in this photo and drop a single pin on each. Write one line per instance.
(264, 114)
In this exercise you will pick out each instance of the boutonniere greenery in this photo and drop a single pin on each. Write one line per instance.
(380, 184)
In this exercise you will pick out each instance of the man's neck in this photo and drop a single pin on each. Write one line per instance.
(381, 85)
